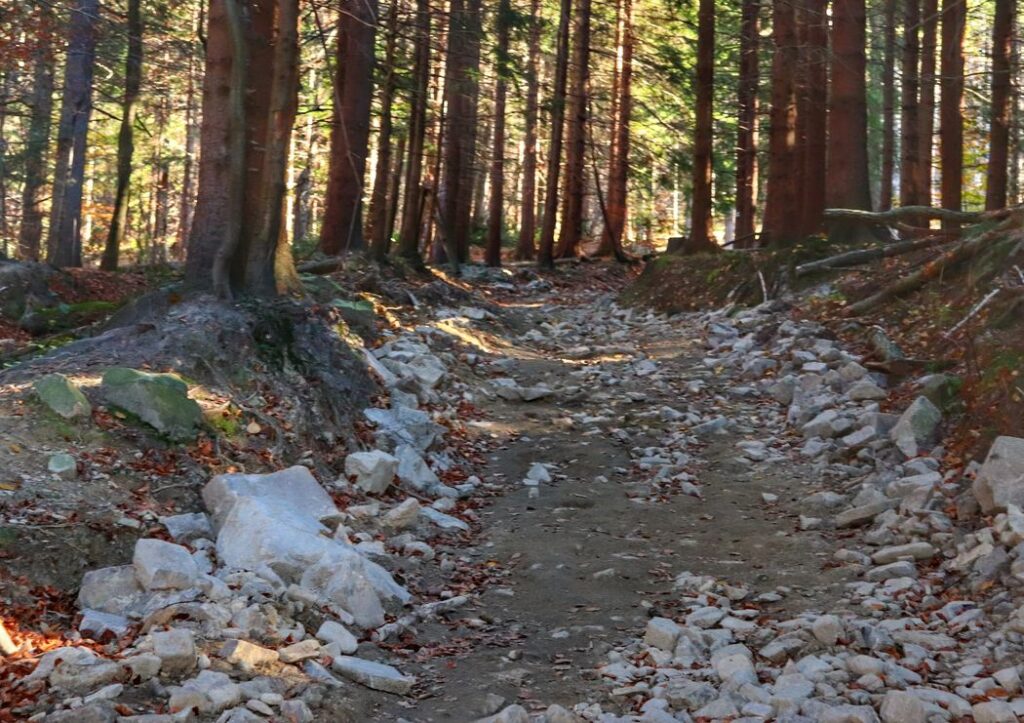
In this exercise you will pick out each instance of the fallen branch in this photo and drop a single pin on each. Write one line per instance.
(323, 266)
(974, 310)
(901, 213)
(860, 256)
(934, 268)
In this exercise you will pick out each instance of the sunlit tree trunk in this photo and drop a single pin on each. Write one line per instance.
(573, 186)
(888, 108)
(377, 220)
(951, 127)
(926, 136)
(37, 143)
(812, 118)
(999, 121)
(126, 137)
(848, 181)
(186, 204)
(618, 174)
(65, 233)
(701, 225)
(526, 247)
(781, 221)
(495, 216)
(546, 254)
(911, 191)
(746, 137)
(412, 203)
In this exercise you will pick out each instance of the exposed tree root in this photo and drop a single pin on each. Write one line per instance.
(860, 256)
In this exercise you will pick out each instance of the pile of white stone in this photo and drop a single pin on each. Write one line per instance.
(214, 621)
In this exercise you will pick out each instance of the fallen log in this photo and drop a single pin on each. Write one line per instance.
(860, 256)
(933, 269)
(322, 266)
(901, 213)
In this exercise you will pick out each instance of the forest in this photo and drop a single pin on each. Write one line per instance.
(528, 361)
(423, 132)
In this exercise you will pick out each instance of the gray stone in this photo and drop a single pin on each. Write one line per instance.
(98, 625)
(377, 676)
(102, 712)
(848, 714)
(917, 427)
(85, 675)
(1000, 481)
(63, 465)
(248, 656)
(403, 515)
(209, 693)
(857, 516)
(902, 707)
(163, 565)
(893, 569)
(294, 490)
(176, 649)
(58, 393)
(827, 629)
(403, 425)
(413, 469)
(111, 590)
(734, 665)
(297, 652)
(445, 522)
(866, 390)
(188, 528)
(159, 400)
(993, 711)
(662, 633)
(333, 632)
(374, 471)
(915, 550)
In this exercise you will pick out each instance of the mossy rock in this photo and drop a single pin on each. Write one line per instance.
(58, 393)
(159, 400)
(942, 390)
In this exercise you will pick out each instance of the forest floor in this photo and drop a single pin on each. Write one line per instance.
(699, 516)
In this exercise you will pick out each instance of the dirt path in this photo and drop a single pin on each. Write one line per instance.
(593, 553)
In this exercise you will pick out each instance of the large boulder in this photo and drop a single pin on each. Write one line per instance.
(1000, 481)
(294, 489)
(917, 427)
(65, 399)
(159, 400)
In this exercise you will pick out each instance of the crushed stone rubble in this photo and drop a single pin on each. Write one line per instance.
(274, 594)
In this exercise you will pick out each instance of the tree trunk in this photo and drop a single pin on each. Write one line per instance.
(526, 248)
(412, 204)
(576, 143)
(461, 93)
(126, 137)
(781, 220)
(951, 128)
(848, 180)
(911, 191)
(999, 122)
(377, 220)
(495, 215)
(65, 236)
(186, 204)
(394, 188)
(618, 174)
(37, 144)
(237, 245)
(812, 116)
(546, 255)
(353, 96)
(701, 224)
(746, 137)
(926, 136)
(888, 108)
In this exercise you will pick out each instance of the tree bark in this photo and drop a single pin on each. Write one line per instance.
(526, 247)
(888, 108)
(546, 255)
(237, 245)
(951, 128)
(812, 116)
(377, 220)
(353, 95)
(495, 215)
(848, 180)
(186, 204)
(412, 204)
(926, 136)
(701, 225)
(37, 144)
(461, 92)
(618, 175)
(126, 137)
(65, 234)
(574, 184)
(746, 138)
(999, 121)
(911, 190)
(781, 221)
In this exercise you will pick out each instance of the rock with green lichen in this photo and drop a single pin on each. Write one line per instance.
(159, 400)
(58, 393)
